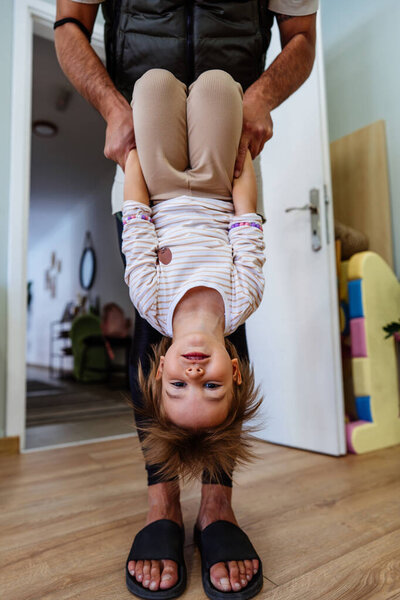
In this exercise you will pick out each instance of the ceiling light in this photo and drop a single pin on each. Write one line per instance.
(44, 129)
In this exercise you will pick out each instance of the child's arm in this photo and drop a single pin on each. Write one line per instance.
(135, 186)
(139, 242)
(247, 241)
(244, 192)
(246, 238)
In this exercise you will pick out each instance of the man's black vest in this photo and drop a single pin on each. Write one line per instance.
(186, 37)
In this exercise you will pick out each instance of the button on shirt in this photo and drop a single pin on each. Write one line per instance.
(188, 244)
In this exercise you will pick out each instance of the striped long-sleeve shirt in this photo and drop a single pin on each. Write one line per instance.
(189, 244)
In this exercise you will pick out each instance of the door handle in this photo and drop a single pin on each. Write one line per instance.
(310, 207)
(313, 207)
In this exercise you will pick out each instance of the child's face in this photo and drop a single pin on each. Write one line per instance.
(197, 376)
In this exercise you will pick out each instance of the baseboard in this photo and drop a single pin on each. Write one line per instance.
(9, 445)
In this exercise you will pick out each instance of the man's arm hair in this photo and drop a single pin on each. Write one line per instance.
(294, 64)
(79, 61)
(88, 75)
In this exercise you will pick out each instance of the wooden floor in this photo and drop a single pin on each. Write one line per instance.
(76, 411)
(326, 528)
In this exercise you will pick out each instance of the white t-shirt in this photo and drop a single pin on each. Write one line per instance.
(296, 8)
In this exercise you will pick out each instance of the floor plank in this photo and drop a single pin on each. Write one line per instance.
(325, 527)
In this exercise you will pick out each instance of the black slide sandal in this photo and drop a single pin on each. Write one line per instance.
(162, 539)
(220, 542)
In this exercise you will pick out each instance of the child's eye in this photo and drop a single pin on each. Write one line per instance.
(178, 383)
(211, 386)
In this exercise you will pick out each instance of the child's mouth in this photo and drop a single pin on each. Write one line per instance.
(195, 356)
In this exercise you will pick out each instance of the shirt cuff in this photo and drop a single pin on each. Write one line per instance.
(130, 207)
(247, 217)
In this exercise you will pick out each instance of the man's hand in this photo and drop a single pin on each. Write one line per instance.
(257, 128)
(120, 136)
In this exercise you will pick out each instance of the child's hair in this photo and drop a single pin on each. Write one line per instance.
(177, 451)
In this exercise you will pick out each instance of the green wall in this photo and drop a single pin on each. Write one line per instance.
(361, 49)
(6, 23)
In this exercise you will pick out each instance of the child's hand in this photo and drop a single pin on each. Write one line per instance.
(244, 192)
(135, 186)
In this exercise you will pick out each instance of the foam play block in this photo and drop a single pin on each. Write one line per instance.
(374, 356)
(363, 405)
(358, 338)
(361, 376)
(355, 299)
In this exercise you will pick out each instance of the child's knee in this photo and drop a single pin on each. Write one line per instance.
(156, 81)
(215, 75)
(217, 79)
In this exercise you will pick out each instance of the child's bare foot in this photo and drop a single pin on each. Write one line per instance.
(215, 505)
(163, 504)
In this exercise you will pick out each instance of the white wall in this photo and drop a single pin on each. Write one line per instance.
(362, 50)
(66, 237)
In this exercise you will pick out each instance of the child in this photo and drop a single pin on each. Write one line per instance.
(193, 266)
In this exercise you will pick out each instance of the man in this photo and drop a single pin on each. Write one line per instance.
(186, 38)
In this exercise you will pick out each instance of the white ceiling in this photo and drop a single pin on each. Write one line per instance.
(70, 167)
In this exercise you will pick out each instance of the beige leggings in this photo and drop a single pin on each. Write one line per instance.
(187, 140)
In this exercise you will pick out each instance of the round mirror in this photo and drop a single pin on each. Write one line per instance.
(87, 267)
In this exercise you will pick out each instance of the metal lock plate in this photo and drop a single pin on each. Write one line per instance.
(313, 207)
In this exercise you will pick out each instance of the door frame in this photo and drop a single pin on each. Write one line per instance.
(30, 17)
(329, 230)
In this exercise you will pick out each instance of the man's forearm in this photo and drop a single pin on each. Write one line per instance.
(287, 72)
(85, 70)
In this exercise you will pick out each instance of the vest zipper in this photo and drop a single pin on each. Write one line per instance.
(115, 27)
(189, 42)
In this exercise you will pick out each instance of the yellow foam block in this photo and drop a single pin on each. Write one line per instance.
(361, 376)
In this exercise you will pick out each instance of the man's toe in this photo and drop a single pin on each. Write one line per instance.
(169, 574)
(220, 577)
(154, 575)
(242, 573)
(234, 575)
(131, 567)
(139, 570)
(249, 569)
(146, 573)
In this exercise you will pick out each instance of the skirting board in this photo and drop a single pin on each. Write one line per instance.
(9, 445)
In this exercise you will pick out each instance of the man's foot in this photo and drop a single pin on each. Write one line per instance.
(163, 504)
(216, 504)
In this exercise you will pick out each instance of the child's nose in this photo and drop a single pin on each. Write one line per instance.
(194, 371)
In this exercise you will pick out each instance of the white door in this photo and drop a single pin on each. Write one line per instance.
(294, 339)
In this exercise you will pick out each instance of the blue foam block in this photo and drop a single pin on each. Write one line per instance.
(355, 299)
(363, 406)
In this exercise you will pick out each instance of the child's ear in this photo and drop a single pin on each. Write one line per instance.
(237, 376)
(160, 368)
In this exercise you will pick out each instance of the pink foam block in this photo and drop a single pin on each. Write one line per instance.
(349, 434)
(358, 341)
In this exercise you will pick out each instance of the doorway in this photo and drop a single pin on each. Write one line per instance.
(64, 194)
